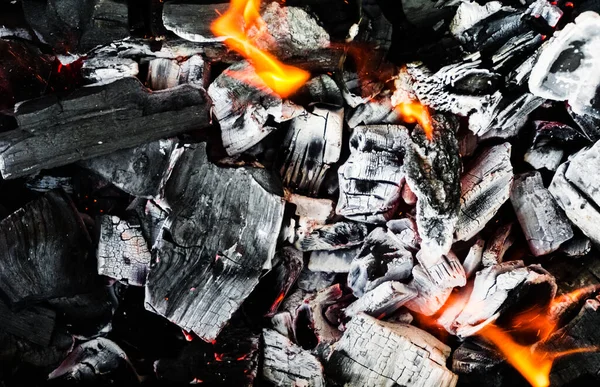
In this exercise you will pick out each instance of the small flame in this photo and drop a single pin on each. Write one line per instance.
(415, 112)
(242, 15)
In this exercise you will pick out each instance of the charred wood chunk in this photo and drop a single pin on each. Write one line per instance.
(470, 13)
(475, 356)
(314, 210)
(284, 275)
(320, 89)
(371, 179)
(333, 236)
(494, 30)
(313, 329)
(374, 31)
(137, 171)
(587, 124)
(99, 361)
(496, 247)
(568, 66)
(122, 251)
(222, 230)
(582, 212)
(507, 118)
(336, 261)
(150, 217)
(485, 186)
(164, 73)
(242, 104)
(312, 145)
(44, 251)
(313, 281)
(557, 133)
(472, 261)
(375, 111)
(383, 300)
(576, 247)
(373, 353)
(383, 257)
(287, 364)
(544, 224)
(582, 172)
(544, 156)
(35, 324)
(16, 352)
(192, 21)
(45, 183)
(95, 121)
(430, 297)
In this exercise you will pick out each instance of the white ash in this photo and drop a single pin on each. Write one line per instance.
(469, 13)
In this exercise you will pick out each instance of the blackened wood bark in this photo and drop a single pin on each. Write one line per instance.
(34, 324)
(137, 171)
(376, 353)
(222, 230)
(95, 121)
(287, 364)
(122, 251)
(44, 251)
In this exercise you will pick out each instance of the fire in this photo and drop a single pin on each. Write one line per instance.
(415, 112)
(242, 15)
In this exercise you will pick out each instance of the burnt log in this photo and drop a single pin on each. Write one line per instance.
(34, 324)
(221, 232)
(95, 121)
(45, 250)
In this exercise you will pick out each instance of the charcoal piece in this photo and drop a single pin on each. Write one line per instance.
(582, 212)
(310, 315)
(320, 89)
(446, 316)
(192, 21)
(242, 104)
(150, 217)
(98, 361)
(122, 251)
(315, 210)
(333, 236)
(45, 183)
(45, 251)
(516, 48)
(543, 16)
(336, 261)
(576, 247)
(375, 111)
(383, 257)
(406, 230)
(164, 73)
(371, 178)
(374, 32)
(500, 287)
(568, 66)
(485, 186)
(373, 353)
(285, 273)
(16, 352)
(470, 13)
(382, 300)
(137, 171)
(424, 14)
(34, 324)
(500, 241)
(312, 145)
(544, 156)
(587, 124)
(472, 261)
(106, 69)
(494, 30)
(544, 224)
(430, 297)
(283, 323)
(221, 231)
(95, 121)
(507, 118)
(475, 356)
(582, 170)
(432, 172)
(313, 281)
(552, 132)
(287, 364)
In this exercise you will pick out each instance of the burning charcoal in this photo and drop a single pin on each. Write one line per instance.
(496, 247)
(452, 308)
(430, 297)
(555, 133)
(285, 274)
(581, 212)
(383, 257)
(192, 21)
(321, 89)
(336, 261)
(371, 179)
(164, 73)
(313, 281)
(499, 287)
(472, 262)
(122, 251)
(45, 251)
(334, 236)
(516, 48)
(545, 156)
(310, 319)
(383, 300)
(315, 210)
(470, 13)
(475, 356)
(494, 30)
(45, 183)
(312, 145)
(375, 111)
(137, 171)
(199, 270)
(286, 364)
(543, 15)
(242, 105)
(95, 121)
(576, 247)
(99, 361)
(373, 352)
(485, 187)
(567, 67)
(544, 224)
(34, 324)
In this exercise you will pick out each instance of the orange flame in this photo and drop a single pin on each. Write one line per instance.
(415, 112)
(242, 15)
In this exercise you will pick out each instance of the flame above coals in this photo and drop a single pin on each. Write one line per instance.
(415, 112)
(233, 24)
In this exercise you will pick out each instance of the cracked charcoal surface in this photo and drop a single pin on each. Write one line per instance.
(222, 229)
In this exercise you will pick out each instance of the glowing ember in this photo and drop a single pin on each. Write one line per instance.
(241, 16)
(188, 336)
(415, 112)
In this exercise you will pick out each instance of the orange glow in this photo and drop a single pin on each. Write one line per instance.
(415, 112)
(241, 16)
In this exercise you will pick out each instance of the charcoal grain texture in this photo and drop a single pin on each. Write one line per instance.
(378, 353)
(44, 251)
(98, 120)
(287, 364)
(34, 324)
(221, 231)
